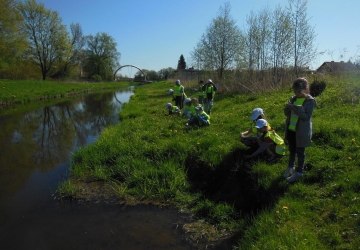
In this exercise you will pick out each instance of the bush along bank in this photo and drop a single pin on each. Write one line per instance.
(150, 156)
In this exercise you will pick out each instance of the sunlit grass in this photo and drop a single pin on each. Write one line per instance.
(24, 91)
(149, 155)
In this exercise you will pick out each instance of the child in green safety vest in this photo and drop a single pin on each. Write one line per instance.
(200, 119)
(201, 93)
(172, 109)
(298, 131)
(250, 137)
(189, 109)
(179, 94)
(209, 89)
(269, 142)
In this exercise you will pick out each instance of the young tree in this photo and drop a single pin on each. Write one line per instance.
(101, 56)
(303, 34)
(181, 63)
(220, 45)
(47, 36)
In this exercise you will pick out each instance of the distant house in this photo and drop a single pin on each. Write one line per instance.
(336, 67)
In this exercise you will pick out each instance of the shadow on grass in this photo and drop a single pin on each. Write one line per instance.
(233, 182)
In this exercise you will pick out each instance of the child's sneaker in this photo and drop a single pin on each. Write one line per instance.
(289, 172)
(294, 177)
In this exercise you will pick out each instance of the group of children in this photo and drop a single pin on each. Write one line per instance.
(261, 137)
(298, 131)
(196, 110)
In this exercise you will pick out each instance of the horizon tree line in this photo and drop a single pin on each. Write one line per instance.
(273, 40)
(33, 41)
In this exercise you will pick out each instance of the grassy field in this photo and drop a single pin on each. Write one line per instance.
(151, 156)
(25, 91)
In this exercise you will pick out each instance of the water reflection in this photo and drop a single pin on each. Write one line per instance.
(42, 140)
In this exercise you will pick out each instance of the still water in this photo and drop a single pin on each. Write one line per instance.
(35, 153)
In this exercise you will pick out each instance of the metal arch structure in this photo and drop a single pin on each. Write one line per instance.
(128, 65)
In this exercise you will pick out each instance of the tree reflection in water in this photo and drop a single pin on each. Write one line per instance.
(44, 138)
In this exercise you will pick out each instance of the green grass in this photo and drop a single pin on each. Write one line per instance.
(24, 91)
(150, 156)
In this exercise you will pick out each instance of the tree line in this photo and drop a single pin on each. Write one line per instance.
(272, 43)
(33, 39)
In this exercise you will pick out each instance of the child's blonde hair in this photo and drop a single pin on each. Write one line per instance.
(300, 84)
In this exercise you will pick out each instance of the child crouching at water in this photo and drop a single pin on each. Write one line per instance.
(269, 142)
(250, 137)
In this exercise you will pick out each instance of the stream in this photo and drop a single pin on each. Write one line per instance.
(35, 154)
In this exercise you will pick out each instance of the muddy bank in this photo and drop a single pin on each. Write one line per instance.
(232, 182)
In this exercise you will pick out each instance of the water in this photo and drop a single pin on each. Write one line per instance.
(35, 152)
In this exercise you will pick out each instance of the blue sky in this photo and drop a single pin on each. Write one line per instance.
(152, 34)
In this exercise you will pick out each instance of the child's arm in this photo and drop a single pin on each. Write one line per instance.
(304, 112)
(246, 133)
(262, 147)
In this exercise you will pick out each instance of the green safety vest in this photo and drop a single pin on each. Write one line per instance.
(209, 89)
(280, 145)
(294, 117)
(191, 109)
(204, 116)
(178, 90)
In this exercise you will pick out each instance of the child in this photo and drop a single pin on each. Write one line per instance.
(200, 119)
(298, 131)
(209, 88)
(173, 110)
(203, 118)
(249, 137)
(269, 141)
(201, 93)
(179, 94)
(189, 109)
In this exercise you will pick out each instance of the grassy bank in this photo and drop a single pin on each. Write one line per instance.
(25, 91)
(150, 156)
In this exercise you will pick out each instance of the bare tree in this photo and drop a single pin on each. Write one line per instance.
(219, 47)
(303, 34)
(257, 40)
(46, 35)
(281, 41)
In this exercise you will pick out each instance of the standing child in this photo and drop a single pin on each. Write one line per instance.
(201, 93)
(209, 88)
(179, 94)
(298, 131)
